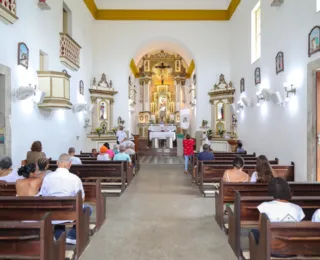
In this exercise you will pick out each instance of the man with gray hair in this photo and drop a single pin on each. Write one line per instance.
(62, 183)
(206, 155)
(74, 159)
(122, 155)
(130, 148)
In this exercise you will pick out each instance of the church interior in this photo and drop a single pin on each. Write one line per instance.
(170, 120)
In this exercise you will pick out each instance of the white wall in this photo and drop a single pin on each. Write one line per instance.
(271, 129)
(40, 31)
(116, 43)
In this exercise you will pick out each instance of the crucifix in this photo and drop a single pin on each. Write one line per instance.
(162, 67)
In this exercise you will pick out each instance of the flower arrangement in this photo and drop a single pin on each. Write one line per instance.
(204, 123)
(221, 132)
(151, 121)
(114, 130)
(171, 121)
(99, 131)
(209, 134)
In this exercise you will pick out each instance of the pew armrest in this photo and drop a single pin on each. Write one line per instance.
(233, 234)
(83, 232)
(253, 247)
(59, 247)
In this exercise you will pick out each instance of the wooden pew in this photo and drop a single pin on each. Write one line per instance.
(114, 175)
(246, 215)
(93, 196)
(209, 174)
(61, 208)
(286, 239)
(30, 240)
(227, 193)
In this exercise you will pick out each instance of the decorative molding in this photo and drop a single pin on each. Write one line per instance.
(69, 52)
(161, 15)
(103, 92)
(8, 11)
(191, 69)
(134, 69)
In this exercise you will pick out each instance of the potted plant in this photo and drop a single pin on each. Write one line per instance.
(114, 130)
(209, 134)
(204, 123)
(99, 131)
(221, 132)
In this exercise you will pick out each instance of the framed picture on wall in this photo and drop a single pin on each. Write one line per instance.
(242, 87)
(81, 87)
(313, 40)
(279, 62)
(257, 76)
(23, 55)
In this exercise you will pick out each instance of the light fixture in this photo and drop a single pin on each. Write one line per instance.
(79, 107)
(38, 96)
(87, 123)
(23, 93)
(290, 89)
(246, 102)
(260, 97)
(239, 107)
(277, 98)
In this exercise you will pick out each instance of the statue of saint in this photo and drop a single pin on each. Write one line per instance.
(102, 109)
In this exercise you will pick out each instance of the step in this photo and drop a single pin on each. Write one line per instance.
(112, 183)
(111, 191)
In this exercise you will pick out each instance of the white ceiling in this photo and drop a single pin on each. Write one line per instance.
(163, 4)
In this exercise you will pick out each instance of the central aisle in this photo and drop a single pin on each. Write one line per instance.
(161, 216)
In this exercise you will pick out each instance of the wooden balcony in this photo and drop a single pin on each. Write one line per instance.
(69, 52)
(8, 11)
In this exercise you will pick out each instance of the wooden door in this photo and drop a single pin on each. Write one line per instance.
(318, 126)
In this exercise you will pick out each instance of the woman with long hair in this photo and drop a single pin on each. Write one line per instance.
(264, 172)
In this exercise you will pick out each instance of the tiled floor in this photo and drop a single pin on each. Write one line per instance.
(161, 216)
(161, 160)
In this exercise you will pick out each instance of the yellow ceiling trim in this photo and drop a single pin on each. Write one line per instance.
(191, 69)
(91, 5)
(134, 69)
(233, 7)
(162, 15)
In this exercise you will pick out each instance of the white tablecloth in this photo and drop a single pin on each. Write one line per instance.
(158, 128)
(162, 135)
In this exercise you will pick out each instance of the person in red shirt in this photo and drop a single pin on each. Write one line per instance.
(188, 144)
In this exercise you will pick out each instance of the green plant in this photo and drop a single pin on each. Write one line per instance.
(151, 121)
(221, 132)
(114, 130)
(171, 121)
(204, 123)
(209, 133)
(99, 131)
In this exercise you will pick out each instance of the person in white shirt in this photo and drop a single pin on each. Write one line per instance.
(204, 140)
(103, 156)
(8, 174)
(121, 135)
(279, 209)
(74, 159)
(264, 172)
(62, 183)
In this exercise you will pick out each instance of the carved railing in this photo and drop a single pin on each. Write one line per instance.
(8, 10)
(69, 52)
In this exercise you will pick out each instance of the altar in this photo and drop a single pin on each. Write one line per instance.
(162, 135)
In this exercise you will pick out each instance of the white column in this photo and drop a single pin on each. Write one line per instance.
(110, 115)
(141, 95)
(178, 96)
(147, 96)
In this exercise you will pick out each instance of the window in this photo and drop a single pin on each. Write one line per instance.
(256, 33)
(66, 20)
(318, 5)
(43, 61)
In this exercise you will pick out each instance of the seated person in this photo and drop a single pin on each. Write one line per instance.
(94, 152)
(74, 159)
(280, 209)
(122, 155)
(63, 183)
(316, 216)
(206, 155)
(30, 185)
(109, 151)
(240, 149)
(264, 172)
(236, 174)
(43, 166)
(6, 172)
(130, 148)
(116, 149)
(103, 156)
(35, 153)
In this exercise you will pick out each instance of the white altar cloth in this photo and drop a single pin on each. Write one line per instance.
(158, 128)
(162, 135)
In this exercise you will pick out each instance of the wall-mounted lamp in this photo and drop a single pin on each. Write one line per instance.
(290, 89)
(260, 97)
(23, 93)
(79, 107)
(239, 107)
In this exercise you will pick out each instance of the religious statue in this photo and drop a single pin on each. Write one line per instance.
(102, 111)
(222, 113)
(162, 112)
(104, 128)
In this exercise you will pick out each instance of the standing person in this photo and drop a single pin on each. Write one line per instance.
(103, 156)
(35, 153)
(121, 135)
(74, 159)
(62, 183)
(204, 140)
(188, 151)
(206, 155)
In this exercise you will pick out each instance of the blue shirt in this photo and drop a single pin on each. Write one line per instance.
(122, 157)
(205, 156)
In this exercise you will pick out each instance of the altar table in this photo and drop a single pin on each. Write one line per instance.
(158, 128)
(162, 135)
